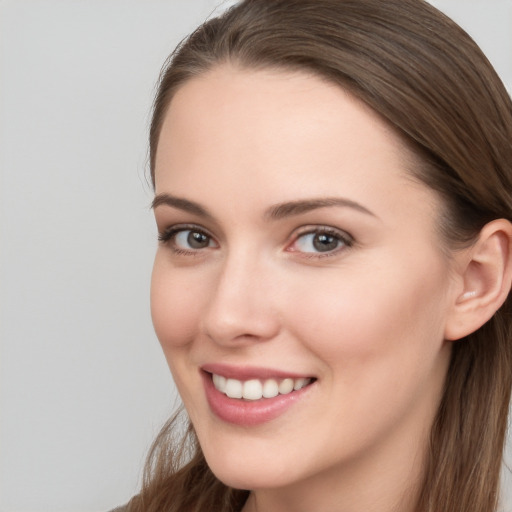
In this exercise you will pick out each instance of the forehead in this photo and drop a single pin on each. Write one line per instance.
(270, 101)
(280, 135)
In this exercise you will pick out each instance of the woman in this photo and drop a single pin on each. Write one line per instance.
(333, 201)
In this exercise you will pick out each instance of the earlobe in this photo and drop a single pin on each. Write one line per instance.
(486, 276)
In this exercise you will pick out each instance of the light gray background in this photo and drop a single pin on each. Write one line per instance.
(83, 385)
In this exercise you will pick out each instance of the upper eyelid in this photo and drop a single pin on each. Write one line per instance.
(167, 217)
(301, 230)
(185, 226)
(320, 228)
(167, 232)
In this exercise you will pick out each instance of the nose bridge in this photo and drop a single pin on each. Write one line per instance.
(240, 307)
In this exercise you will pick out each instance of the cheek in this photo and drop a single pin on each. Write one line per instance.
(379, 338)
(176, 308)
(372, 319)
(175, 304)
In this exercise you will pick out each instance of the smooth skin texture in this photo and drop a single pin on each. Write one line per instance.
(358, 293)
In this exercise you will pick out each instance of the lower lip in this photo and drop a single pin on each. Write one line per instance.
(248, 413)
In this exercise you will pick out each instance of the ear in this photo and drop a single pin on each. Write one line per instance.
(485, 274)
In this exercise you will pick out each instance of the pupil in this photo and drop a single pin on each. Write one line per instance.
(197, 240)
(324, 243)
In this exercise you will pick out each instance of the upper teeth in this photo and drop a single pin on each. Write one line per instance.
(256, 389)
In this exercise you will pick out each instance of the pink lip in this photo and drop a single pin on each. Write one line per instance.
(248, 413)
(249, 372)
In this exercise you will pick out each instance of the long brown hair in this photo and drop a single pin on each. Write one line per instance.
(429, 81)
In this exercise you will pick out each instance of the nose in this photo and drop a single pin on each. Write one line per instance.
(242, 308)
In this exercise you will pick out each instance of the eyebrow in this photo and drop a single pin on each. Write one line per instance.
(303, 206)
(181, 204)
(275, 212)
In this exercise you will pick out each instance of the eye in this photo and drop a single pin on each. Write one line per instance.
(321, 241)
(189, 239)
(186, 239)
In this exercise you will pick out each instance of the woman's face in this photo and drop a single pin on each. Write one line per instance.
(296, 251)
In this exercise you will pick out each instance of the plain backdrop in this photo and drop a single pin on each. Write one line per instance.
(83, 385)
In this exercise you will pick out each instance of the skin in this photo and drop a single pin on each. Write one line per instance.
(366, 319)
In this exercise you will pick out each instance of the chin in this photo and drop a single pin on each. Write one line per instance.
(248, 469)
(250, 478)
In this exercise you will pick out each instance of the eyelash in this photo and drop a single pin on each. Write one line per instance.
(345, 240)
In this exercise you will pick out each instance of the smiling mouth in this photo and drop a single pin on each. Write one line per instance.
(256, 389)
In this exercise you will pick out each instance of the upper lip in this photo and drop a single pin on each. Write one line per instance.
(250, 372)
